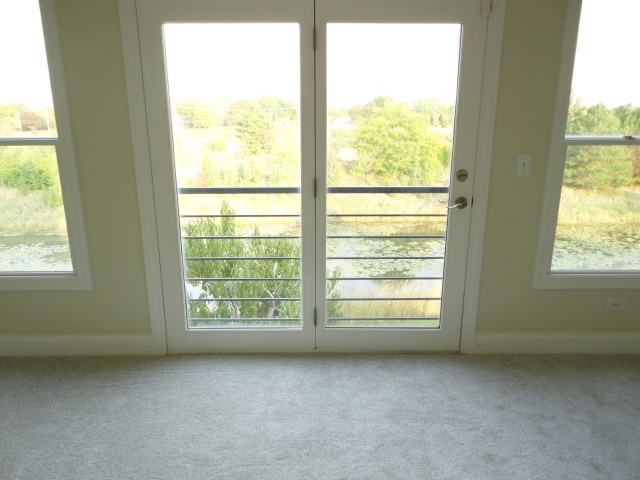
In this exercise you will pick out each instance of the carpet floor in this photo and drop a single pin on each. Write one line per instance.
(327, 416)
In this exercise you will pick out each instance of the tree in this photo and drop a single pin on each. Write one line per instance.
(9, 119)
(594, 120)
(28, 168)
(360, 112)
(279, 108)
(395, 144)
(256, 130)
(598, 166)
(629, 117)
(268, 263)
(196, 114)
(234, 111)
(436, 111)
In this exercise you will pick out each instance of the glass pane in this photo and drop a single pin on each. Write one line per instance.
(599, 218)
(26, 106)
(605, 94)
(234, 92)
(391, 107)
(33, 230)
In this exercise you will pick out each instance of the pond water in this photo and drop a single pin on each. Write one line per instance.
(599, 247)
(35, 253)
(615, 247)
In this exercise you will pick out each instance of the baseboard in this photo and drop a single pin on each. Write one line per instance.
(62, 345)
(557, 343)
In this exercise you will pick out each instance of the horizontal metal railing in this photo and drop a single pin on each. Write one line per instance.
(337, 238)
(280, 190)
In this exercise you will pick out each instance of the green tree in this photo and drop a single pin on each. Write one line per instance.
(9, 119)
(436, 111)
(28, 168)
(196, 114)
(363, 111)
(256, 130)
(234, 112)
(597, 166)
(395, 143)
(594, 120)
(629, 117)
(268, 262)
(280, 108)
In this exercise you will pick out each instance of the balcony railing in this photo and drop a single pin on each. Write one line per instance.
(344, 293)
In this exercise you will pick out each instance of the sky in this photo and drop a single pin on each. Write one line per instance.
(421, 63)
(606, 68)
(407, 62)
(24, 73)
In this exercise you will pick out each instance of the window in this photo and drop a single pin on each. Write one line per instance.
(590, 236)
(42, 243)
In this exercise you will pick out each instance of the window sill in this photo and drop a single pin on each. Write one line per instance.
(587, 280)
(45, 281)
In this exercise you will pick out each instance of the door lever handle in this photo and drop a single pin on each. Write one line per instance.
(461, 202)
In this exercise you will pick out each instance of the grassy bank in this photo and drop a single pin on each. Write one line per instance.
(30, 213)
(580, 207)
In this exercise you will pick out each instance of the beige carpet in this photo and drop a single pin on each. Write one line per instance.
(320, 417)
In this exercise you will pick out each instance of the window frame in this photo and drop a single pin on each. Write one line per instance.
(544, 276)
(80, 277)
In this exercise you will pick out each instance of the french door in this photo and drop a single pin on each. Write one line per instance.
(312, 169)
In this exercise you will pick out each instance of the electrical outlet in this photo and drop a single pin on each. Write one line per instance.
(615, 304)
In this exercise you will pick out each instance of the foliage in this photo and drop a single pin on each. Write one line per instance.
(437, 112)
(216, 145)
(256, 130)
(235, 111)
(16, 117)
(196, 114)
(594, 120)
(360, 112)
(269, 261)
(28, 168)
(395, 144)
(629, 117)
(33, 213)
(598, 167)
(269, 291)
(280, 108)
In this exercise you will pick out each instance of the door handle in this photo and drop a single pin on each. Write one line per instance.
(461, 202)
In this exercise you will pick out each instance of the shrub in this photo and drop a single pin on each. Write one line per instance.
(266, 294)
(598, 167)
(216, 145)
(28, 168)
(268, 291)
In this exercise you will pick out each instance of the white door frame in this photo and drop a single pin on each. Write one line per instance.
(147, 206)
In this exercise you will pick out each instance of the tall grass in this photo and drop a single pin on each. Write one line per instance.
(618, 206)
(38, 212)
(374, 313)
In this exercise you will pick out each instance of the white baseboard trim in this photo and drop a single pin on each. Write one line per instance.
(68, 345)
(557, 343)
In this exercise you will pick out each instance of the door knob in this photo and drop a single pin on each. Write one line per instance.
(461, 202)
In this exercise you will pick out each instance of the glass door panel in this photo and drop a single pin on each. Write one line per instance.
(235, 110)
(391, 97)
(301, 156)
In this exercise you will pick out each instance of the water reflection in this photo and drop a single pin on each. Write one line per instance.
(35, 253)
(597, 247)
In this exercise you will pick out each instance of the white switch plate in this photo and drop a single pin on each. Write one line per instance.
(524, 166)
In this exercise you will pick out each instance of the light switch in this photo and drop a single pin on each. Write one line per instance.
(524, 166)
